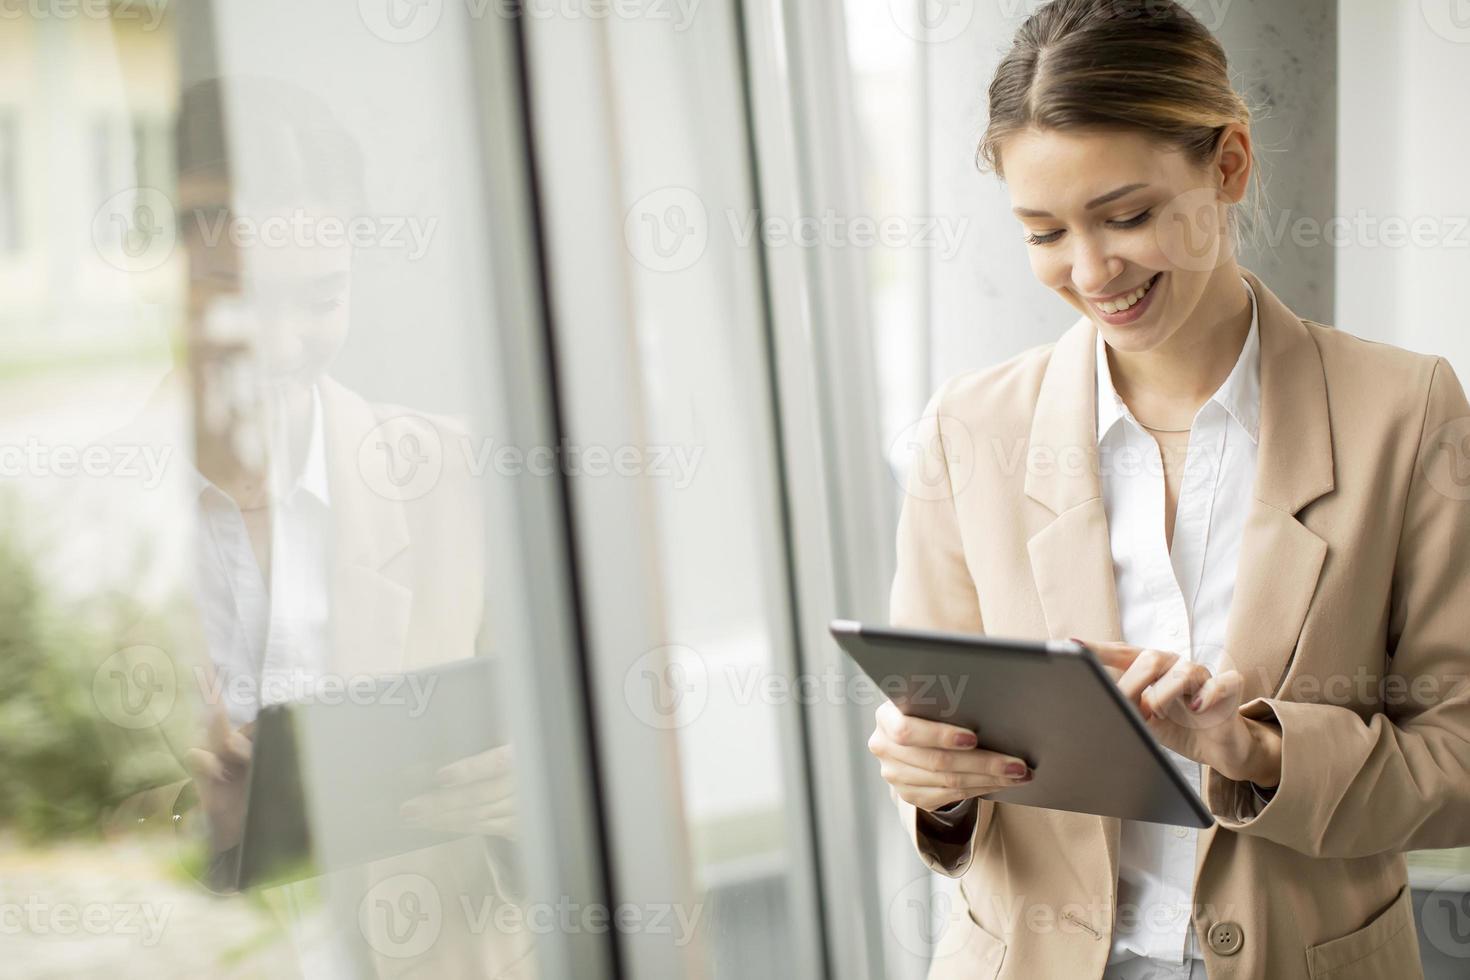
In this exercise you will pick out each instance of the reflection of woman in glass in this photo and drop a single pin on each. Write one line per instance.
(1266, 545)
(313, 569)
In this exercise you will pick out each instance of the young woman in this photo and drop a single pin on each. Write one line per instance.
(1259, 523)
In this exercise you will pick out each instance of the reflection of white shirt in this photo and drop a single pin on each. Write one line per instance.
(266, 646)
(269, 646)
(1176, 599)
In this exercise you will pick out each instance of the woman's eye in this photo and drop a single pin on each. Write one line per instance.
(1134, 221)
(1046, 238)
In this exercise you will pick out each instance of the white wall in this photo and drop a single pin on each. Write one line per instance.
(1403, 142)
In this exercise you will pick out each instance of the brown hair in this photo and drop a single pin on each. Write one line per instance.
(1142, 65)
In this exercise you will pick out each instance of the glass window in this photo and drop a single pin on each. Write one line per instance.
(262, 564)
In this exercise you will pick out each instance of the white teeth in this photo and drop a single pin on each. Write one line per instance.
(1116, 306)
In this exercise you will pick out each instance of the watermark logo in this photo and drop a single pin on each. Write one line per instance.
(304, 228)
(932, 21)
(407, 21)
(667, 230)
(1210, 13)
(401, 916)
(134, 230)
(150, 12)
(667, 687)
(40, 460)
(1445, 917)
(38, 917)
(942, 234)
(1446, 459)
(400, 21)
(136, 687)
(1364, 230)
(1450, 19)
(402, 458)
(939, 453)
(296, 685)
(1193, 232)
(926, 922)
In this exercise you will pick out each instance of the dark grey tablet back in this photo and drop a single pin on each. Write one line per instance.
(1050, 703)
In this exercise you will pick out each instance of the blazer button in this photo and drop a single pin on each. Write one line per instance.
(1226, 938)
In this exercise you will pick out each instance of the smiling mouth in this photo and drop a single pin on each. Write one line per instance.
(1128, 300)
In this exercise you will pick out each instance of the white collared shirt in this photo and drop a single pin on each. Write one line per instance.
(267, 644)
(270, 644)
(1175, 599)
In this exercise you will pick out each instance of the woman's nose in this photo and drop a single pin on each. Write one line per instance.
(1093, 271)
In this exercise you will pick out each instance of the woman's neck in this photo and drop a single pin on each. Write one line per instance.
(1167, 385)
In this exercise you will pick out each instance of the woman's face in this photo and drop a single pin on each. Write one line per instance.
(1107, 214)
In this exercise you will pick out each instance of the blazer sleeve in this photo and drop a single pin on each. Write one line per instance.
(932, 589)
(1400, 780)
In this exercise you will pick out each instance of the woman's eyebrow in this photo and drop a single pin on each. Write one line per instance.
(1095, 202)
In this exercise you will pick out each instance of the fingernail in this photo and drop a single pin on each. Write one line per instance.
(1195, 704)
(1015, 770)
(965, 740)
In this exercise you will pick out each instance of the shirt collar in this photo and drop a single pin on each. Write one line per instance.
(311, 478)
(1239, 394)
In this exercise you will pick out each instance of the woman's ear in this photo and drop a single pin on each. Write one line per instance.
(1234, 162)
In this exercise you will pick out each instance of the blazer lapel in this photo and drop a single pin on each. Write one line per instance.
(1072, 557)
(370, 608)
(1280, 558)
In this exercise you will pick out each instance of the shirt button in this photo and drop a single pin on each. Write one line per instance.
(1181, 832)
(1226, 938)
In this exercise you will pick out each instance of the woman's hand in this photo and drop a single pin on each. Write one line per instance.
(1194, 712)
(475, 795)
(221, 771)
(931, 764)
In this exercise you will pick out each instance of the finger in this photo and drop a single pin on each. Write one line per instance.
(1147, 668)
(465, 819)
(1182, 680)
(908, 730)
(1220, 690)
(485, 765)
(473, 794)
(235, 753)
(1113, 653)
(217, 732)
(461, 824)
(897, 773)
(463, 815)
(976, 762)
(203, 765)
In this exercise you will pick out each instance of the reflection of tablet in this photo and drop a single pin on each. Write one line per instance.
(1051, 704)
(327, 777)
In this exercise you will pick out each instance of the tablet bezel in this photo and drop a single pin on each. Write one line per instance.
(846, 629)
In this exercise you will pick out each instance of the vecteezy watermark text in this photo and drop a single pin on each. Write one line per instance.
(404, 458)
(37, 459)
(37, 916)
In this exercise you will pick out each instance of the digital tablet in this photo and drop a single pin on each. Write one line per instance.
(327, 777)
(1049, 703)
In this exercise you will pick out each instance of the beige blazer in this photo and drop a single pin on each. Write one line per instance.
(1350, 624)
(407, 590)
